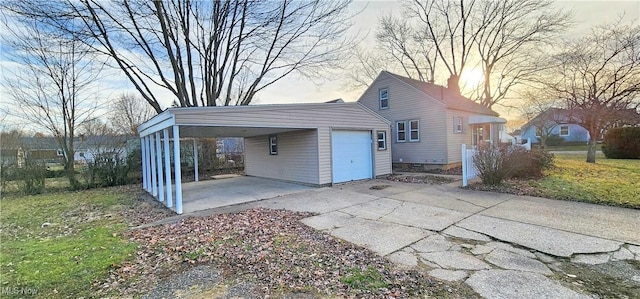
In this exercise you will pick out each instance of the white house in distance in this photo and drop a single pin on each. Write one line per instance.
(315, 144)
(430, 122)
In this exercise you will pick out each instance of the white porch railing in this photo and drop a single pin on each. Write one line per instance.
(527, 145)
(469, 170)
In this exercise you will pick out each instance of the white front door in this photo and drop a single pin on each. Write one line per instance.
(351, 155)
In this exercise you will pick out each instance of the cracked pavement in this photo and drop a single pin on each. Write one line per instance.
(502, 245)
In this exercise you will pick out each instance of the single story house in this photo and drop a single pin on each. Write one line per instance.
(315, 144)
(554, 121)
(46, 149)
(430, 122)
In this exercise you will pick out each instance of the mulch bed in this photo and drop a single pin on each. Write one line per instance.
(269, 247)
(510, 186)
(420, 179)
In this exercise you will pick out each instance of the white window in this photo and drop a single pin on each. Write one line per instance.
(457, 124)
(273, 145)
(81, 154)
(59, 153)
(382, 140)
(401, 131)
(384, 98)
(414, 130)
(539, 132)
(564, 130)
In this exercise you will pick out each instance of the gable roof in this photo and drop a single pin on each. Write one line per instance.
(564, 116)
(443, 94)
(553, 114)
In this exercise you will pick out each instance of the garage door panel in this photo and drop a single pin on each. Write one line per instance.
(351, 155)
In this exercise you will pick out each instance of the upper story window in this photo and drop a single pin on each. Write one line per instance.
(401, 131)
(457, 124)
(414, 130)
(564, 130)
(384, 98)
(382, 140)
(273, 145)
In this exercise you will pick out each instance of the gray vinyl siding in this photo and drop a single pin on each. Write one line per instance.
(279, 116)
(324, 155)
(297, 158)
(382, 158)
(321, 118)
(455, 140)
(407, 103)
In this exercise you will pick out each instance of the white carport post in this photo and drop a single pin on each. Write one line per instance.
(167, 166)
(143, 149)
(154, 175)
(176, 165)
(147, 165)
(195, 159)
(159, 164)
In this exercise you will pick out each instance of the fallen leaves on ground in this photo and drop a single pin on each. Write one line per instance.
(271, 247)
(420, 179)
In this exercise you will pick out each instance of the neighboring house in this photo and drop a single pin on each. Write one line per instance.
(561, 122)
(89, 147)
(430, 122)
(46, 149)
(554, 121)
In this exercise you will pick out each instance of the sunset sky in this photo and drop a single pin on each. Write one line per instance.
(295, 89)
(585, 15)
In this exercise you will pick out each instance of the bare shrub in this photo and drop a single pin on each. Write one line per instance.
(495, 163)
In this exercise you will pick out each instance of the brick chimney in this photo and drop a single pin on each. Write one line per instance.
(453, 84)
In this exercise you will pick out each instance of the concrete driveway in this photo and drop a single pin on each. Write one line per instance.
(502, 245)
(233, 190)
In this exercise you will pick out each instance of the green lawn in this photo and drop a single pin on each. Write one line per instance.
(573, 147)
(608, 181)
(80, 241)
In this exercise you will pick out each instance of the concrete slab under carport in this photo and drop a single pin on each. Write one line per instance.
(210, 194)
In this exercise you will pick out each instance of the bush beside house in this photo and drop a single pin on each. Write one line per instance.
(622, 143)
(495, 163)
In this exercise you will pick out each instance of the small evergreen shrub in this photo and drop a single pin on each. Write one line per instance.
(554, 140)
(622, 143)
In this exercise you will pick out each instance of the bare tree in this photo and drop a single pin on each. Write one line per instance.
(509, 35)
(448, 25)
(412, 50)
(399, 48)
(128, 112)
(541, 111)
(598, 78)
(206, 53)
(53, 86)
(496, 36)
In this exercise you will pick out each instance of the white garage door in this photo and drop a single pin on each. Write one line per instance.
(351, 155)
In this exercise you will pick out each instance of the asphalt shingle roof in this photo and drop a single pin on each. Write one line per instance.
(451, 99)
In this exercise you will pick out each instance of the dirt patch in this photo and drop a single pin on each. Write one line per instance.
(511, 186)
(420, 179)
(278, 255)
(451, 171)
(610, 280)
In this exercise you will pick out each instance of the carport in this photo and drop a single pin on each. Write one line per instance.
(313, 144)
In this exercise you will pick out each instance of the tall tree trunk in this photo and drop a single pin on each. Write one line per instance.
(591, 153)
